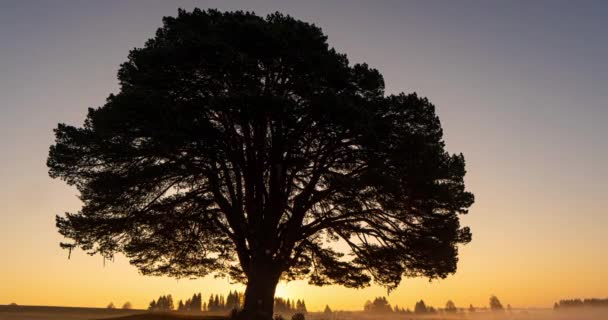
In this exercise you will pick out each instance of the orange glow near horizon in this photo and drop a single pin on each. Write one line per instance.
(520, 275)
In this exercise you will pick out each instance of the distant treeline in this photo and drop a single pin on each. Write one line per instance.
(219, 303)
(381, 305)
(578, 303)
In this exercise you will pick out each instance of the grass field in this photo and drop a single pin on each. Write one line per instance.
(67, 313)
(61, 313)
(169, 316)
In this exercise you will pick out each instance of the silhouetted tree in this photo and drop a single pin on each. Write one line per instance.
(164, 303)
(404, 310)
(170, 305)
(188, 305)
(233, 300)
(110, 306)
(379, 305)
(301, 307)
(241, 146)
(284, 306)
(577, 303)
(217, 303)
(327, 311)
(495, 304)
(196, 303)
(594, 302)
(127, 305)
(471, 308)
(214, 304)
(420, 307)
(211, 304)
(450, 307)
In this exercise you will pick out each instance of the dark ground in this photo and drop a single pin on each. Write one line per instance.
(171, 316)
(69, 313)
(60, 313)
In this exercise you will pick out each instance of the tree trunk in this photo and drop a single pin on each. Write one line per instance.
(259, 295)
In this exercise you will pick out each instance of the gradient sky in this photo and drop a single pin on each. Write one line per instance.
(521, 88)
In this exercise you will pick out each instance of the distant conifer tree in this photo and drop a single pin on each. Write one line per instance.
(211, 303)
(495, 304)
(420, 307)
(450, 307)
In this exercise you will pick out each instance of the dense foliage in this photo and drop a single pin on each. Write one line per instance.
(245, 146)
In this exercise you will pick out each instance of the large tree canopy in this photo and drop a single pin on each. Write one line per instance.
(244, 146)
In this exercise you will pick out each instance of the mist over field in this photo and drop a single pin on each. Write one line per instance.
(64, 313)
(8, 312)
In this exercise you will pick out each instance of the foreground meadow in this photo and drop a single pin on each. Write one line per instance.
(66, 313)
(60, 313)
